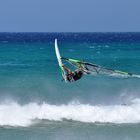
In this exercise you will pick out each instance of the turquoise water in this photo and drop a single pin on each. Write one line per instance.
(36, 104)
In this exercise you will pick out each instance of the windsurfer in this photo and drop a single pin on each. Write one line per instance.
(73, 75)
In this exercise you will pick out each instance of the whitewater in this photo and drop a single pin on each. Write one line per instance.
(14, 114)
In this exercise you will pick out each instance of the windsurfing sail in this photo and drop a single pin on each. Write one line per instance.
(60, 61)
(89, 68)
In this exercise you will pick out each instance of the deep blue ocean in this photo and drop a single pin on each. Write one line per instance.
(35, 104)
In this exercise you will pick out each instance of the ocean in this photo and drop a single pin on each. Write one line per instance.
(36, 104)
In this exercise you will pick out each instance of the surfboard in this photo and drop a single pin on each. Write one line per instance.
(58, 56)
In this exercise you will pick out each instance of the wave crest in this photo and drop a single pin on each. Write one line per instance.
(14, 114)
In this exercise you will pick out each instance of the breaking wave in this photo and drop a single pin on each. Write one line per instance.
(14, 114)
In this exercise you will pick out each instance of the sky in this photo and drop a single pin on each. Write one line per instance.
(69, 15)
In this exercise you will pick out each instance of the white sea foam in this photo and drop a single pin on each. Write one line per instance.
(14, 114)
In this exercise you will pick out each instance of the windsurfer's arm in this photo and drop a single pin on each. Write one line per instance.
(67, 69)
